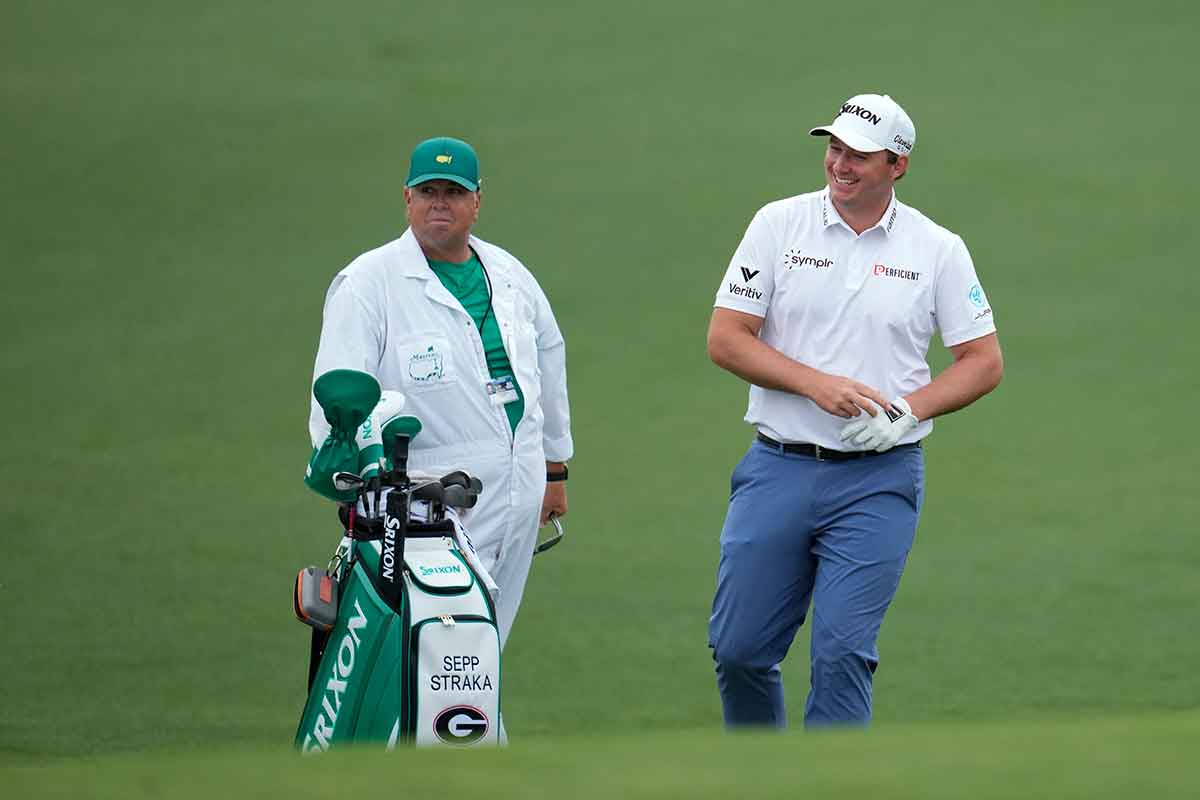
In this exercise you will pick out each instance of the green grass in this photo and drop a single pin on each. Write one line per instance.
(182, 181)
(1116, 757)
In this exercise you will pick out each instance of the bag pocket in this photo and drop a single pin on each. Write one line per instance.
(457, 691)
(441, 571)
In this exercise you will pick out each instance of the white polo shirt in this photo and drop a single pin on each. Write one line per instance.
(861, 306)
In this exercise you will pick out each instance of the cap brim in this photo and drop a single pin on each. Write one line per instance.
(443, 176)
(852, 139)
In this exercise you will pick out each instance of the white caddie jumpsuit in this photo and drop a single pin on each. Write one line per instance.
(388, 314)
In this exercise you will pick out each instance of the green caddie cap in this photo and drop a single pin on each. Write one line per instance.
(445, 158)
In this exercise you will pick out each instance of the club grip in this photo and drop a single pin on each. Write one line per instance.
(460, 497)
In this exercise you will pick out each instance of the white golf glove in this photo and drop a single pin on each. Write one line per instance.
(369, 436)
(880, 432)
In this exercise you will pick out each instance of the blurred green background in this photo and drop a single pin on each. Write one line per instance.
(181, 182)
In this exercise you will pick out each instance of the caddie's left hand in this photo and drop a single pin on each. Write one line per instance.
(554, 502)
(880, 432)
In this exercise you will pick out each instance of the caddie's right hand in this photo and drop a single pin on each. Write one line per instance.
(845, 397)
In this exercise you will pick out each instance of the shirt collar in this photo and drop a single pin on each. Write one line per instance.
(831, 217)
(413, 263)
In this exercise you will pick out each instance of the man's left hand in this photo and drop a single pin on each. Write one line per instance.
(880, 432)
(555, 501)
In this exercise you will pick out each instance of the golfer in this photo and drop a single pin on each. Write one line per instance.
(827, 311)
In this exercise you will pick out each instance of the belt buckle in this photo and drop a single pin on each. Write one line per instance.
(817, 452)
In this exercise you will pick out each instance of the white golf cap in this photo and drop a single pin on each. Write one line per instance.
(870, 123)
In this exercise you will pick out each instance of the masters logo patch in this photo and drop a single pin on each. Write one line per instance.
(427, 366)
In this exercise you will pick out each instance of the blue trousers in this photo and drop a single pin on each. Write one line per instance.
(799, 532)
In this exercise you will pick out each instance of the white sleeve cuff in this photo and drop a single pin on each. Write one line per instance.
(739, 304)
(560, 449)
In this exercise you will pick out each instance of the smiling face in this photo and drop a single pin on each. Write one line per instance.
(861, 182)
(441, 214)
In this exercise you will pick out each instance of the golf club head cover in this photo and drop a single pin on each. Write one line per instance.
(398, 425)
(334, 455)
(369, 436)
(346, 396)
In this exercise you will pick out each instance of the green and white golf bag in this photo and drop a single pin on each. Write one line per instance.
(405, 647)
(413, 655)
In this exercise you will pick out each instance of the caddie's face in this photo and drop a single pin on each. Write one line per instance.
(857, 179)
(441, 212)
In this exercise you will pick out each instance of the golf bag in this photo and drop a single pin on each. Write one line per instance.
(405, 645)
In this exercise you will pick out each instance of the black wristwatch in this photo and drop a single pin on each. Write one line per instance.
(551, 477)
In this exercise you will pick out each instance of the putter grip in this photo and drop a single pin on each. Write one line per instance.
(460, 497)
(432, 492)
(460, 478)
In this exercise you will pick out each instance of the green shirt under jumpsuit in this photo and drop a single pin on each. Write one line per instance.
(469, 286)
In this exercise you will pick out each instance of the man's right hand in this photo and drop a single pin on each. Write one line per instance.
(844, 397)
(733, 344)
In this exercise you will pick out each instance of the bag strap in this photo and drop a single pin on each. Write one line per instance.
(316, 650)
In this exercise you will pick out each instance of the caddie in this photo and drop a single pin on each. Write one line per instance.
(462, 329)
(827, 310)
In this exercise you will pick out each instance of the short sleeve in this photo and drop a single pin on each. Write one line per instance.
(749, 281)
(961, 307)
